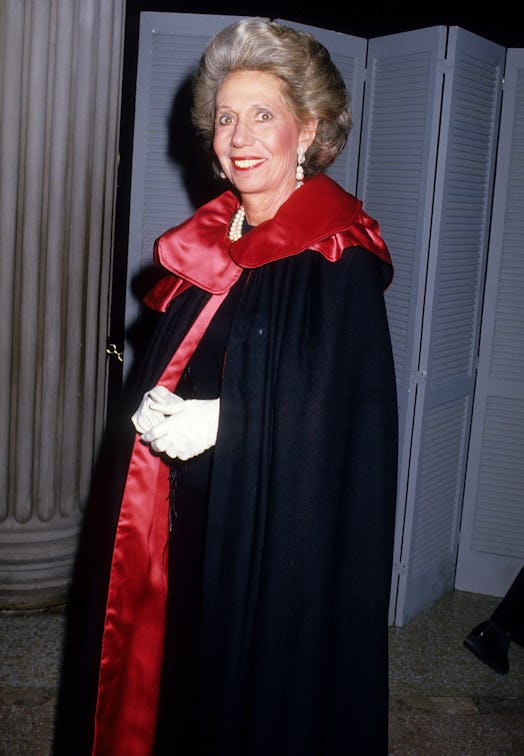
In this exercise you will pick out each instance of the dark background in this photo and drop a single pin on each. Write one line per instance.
(498, 22)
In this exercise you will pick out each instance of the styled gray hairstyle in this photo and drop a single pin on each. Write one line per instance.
(313, 85)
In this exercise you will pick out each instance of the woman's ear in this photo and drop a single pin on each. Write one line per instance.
(307, 134)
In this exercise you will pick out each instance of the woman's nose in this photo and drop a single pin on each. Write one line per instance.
(241, 134)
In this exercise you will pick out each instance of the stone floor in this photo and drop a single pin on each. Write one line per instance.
(444, 702)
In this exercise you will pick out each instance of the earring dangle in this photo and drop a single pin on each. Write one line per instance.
(222, 174)
(299, 173)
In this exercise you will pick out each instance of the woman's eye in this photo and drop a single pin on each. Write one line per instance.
(225, 120)
(264, 116)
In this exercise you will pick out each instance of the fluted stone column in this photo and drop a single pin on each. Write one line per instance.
(60, 69)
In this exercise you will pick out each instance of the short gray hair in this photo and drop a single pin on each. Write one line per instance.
(313, 85)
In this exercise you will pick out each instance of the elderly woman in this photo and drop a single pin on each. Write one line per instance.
(242, 608)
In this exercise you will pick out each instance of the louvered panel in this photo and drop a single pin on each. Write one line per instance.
(439, 490)
(507, 358)
(462, 248)
(344, 169)
(452, 307)
(171, 176)
(394, 174)
(349, 55)
(165, 203)
(498, 522)
(492, 541)
(429, 165)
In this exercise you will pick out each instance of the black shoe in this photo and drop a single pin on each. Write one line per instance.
(490, 643)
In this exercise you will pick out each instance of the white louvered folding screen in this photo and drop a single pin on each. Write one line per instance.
(432, 165)
(422, 156)
(492, 542)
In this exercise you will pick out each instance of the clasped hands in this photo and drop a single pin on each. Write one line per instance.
(180, 428)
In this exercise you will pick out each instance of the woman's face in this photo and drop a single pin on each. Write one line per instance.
(256, 140)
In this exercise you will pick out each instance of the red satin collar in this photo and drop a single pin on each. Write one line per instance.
(320, 216)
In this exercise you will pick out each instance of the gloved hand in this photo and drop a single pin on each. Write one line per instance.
(164, 401)
(155, 405)
(189, 429)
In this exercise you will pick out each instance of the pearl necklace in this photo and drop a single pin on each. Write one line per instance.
(235, 229)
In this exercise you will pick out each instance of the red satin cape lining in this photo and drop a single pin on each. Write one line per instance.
(133, 636)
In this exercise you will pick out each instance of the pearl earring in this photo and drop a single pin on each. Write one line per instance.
(222, 174)
(299, 173)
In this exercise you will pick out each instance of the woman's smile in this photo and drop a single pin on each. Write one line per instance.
(246, 163)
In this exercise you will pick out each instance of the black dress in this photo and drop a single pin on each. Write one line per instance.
(189, 483)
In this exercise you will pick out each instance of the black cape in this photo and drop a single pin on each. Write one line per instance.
(300, 521)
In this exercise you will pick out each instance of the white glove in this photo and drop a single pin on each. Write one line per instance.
(189, 430)
(164, 401)
(155, 405)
